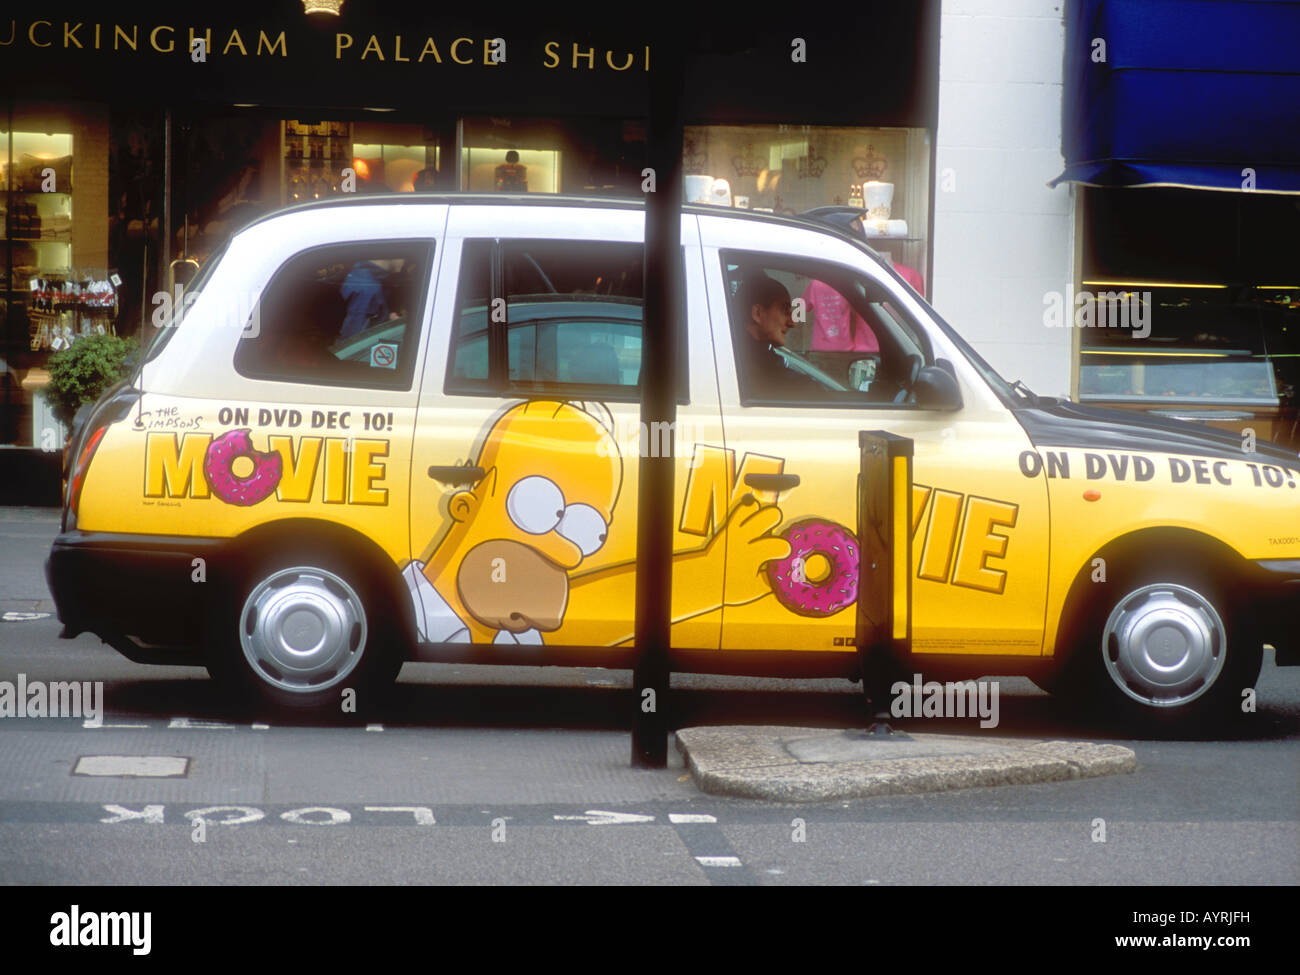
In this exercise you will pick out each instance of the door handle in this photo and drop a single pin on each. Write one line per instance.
(457, 475)
(772, 482)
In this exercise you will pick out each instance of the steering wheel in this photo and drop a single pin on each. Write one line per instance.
(911, 371)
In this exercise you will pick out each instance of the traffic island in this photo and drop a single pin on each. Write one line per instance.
(786, 764)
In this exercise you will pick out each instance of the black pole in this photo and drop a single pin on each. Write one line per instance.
(664, 288)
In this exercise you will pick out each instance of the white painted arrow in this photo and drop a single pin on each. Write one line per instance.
(599, 817)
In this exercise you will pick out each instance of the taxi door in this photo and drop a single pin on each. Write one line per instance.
(979, 526)
(527, 442)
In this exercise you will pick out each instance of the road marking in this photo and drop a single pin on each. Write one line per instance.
(260, 727)
(374, 727)
(92, 723)
(691, 818)
(598, 817)
(718, 861)
(15, 617)
(196, 723)
(134, 766)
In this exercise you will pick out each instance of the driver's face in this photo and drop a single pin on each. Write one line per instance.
(770, 323)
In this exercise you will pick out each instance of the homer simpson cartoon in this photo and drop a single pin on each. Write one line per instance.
(506, 565)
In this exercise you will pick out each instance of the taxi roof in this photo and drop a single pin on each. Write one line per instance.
(802, 222)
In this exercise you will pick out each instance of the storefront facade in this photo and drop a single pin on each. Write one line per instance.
(166, 132)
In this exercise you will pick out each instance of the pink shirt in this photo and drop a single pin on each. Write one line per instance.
(836, 326)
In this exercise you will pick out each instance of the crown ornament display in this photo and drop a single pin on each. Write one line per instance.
(694, 160)
(811, 166)
(748, 164)
(870, 165)
(322, 6)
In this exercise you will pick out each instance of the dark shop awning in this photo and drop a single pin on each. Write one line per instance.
(1183, 93)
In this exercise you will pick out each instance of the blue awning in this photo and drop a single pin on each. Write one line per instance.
(1191, 93)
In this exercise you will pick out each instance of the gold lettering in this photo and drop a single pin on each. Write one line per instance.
(175, 470)
(979, 543)
(133, 40)
(373, 45)
(279, 42)
(553, 54)
(13, 33)
(487, 51)
(609, 59)
(647, 57)
(397, 50)
(940, 535)
(590, 56)
(70, 34)
(235, 41)
(299, 477)
(97, 37)
(207, 40)
(920, 498)
(31, 33)
(336, 471)
(455, 43)
(429, 48)
(364, 473)
(153, 40)
(339, 45)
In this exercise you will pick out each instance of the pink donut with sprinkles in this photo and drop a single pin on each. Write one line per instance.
(218, 465)
(828, 596)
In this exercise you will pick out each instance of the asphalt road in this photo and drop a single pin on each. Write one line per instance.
(480, 775)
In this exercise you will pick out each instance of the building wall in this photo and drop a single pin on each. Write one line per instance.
(1002, 239)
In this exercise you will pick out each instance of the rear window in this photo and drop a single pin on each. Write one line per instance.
(341, 315)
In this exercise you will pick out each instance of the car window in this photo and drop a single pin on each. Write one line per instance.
(549, 317)
(811, 333)
(344, 314)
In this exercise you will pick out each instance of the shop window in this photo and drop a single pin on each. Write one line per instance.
(854, 347)
(880, 174)
(346, 315)
(567, 319)
(1179, 322)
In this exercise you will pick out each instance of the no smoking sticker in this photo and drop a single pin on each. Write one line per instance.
(384, 355)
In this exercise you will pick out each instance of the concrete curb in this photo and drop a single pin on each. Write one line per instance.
(786, 764)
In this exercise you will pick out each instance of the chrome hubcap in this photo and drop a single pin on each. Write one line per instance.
(1164, 645)
(303, 629)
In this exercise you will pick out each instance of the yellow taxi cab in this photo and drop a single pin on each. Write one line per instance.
(389, 429)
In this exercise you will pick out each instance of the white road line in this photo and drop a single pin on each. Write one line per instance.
(598, 817)
(196, 723)
(718, 861)
(136, 766)
(691, 818)
(374, 727)
(88, 723)
(260, 727)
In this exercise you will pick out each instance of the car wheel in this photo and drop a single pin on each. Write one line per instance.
(1169, 650)
(304, 630)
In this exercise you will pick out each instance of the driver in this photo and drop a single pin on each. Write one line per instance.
(765, 313)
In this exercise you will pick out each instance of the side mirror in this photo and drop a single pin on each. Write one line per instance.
(936, 389)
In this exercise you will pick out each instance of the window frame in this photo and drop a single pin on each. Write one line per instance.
(800, 265)
(398, 380)
(498, 384)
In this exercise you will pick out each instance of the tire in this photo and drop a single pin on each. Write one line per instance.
(1163, 648)
(302, 629)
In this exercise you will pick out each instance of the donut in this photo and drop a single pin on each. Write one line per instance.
(839, 589)
(218, 465)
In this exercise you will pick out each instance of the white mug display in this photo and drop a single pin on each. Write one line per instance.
(877, 198)
(698, 188)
